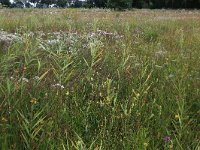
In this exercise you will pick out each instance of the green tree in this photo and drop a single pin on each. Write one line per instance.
(90, 4)
(5, 2)
(119, 4)
(61, 3)
(48, 2)
(34, 1)
(100, 3)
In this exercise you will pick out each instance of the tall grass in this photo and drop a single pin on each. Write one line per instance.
(97, 79)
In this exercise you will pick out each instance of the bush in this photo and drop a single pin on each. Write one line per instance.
(119, 4)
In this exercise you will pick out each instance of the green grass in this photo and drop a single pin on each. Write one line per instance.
(108, 80)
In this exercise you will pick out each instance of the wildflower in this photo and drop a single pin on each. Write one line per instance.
(171, 76)
(58, 86)
(177, 116)
(67, 93)
(160, 54)
(53, 42)
(100, 94)
(25, 80)
(24, 68)
(36, 78)
(145, 144)
(167, 138)
(46, 94)
(34, 101)
(170, 146)
(4, 119)
(12, 78)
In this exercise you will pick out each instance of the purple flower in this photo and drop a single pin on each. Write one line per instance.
(167, 138)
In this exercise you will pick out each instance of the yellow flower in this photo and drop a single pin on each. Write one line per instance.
(177, 116)
(4, 119)
(67, 93)
(46, 94)
(170, 146)
(34, 101)
(145, 144)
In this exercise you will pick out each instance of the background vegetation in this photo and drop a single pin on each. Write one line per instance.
(97, 79)
(120, 4)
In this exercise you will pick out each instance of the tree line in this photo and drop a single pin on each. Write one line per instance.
(116, 4)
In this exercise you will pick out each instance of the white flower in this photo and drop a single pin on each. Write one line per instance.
(53, 42)
(25, 80)
(12, 78)
(171, 76)
(36, 78)
(58, 85)
(160, 54)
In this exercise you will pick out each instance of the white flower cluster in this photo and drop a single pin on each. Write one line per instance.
(112, 35)
(9, 37)
(36, 78)
(58, 85)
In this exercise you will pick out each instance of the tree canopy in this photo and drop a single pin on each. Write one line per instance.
(121, 4)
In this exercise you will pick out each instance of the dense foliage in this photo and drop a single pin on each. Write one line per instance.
(117, 3)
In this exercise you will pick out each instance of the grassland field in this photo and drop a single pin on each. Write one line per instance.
(80, 79)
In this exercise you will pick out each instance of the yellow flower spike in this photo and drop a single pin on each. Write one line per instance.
(145, 144)
(171, 147)
(92, 79)
(67, 93)
(177, 116)
(34, 101)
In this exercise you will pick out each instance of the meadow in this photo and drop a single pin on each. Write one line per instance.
(78, 79)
